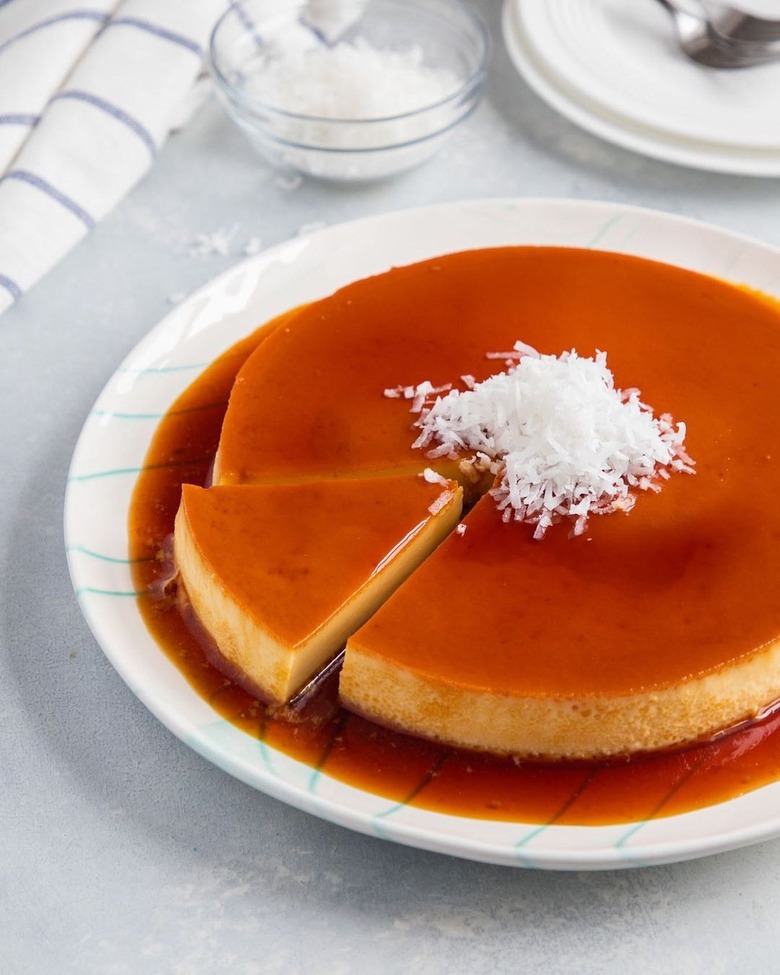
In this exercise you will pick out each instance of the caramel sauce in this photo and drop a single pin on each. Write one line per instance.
(317, 731)
(310, 404)
(274, 546)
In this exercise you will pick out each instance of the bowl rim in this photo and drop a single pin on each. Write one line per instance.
(465, 90)
(314, 147)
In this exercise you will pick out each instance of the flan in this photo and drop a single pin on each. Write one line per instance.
(571, 647)
(280, 575)
(655, 627)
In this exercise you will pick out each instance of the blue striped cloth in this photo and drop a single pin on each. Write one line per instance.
(88, 95)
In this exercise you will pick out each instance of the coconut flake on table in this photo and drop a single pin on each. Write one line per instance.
(216, 243)
(563, 442)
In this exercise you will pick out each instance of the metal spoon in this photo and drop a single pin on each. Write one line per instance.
(720, 37)
(737, 27)
(329, 20)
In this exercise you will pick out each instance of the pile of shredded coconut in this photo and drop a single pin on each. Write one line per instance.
(563, 442)
(336, 95)
(350, 80)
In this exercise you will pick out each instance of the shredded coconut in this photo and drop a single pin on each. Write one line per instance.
(433, 477)
(349, 80)
(223, 242)
(218, 242)
(563, 442)
(441, 502)
(351, 96)
(253, 246)
(288, 183)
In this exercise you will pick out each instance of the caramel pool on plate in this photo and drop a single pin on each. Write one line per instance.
(640, 615)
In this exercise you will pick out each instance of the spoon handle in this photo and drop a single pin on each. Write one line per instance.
(737, 27)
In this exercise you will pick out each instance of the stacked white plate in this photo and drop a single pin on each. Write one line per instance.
(614, 68)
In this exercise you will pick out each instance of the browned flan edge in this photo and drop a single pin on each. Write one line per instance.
(280, 575)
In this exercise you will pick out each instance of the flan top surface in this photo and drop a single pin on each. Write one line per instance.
(641, 601)
(681, 586)
(291, 555)
(309, 402)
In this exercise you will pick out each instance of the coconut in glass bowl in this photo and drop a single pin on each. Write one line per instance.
(349, 89)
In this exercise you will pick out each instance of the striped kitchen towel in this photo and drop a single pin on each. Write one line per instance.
(88, 95)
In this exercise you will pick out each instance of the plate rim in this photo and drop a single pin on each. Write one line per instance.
(613, 128)
(226, 746)
(548, 27)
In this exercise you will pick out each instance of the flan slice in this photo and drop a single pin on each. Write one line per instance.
(643, 634)
(280, 575)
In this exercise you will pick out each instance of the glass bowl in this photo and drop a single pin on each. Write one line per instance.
(348, 89)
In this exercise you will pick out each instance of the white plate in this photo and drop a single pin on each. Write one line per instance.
(614, 69)
(116, 436)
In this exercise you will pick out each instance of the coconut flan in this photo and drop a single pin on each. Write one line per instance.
(310, 403)
(280, 575)
(605, 638)
(572, 647)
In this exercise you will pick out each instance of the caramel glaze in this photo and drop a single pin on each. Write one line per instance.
(707, 584)
(711, 540)
(695, 315)
(263, 542)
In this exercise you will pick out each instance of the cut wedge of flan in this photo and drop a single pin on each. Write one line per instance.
(654, 628)
(280, 575)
